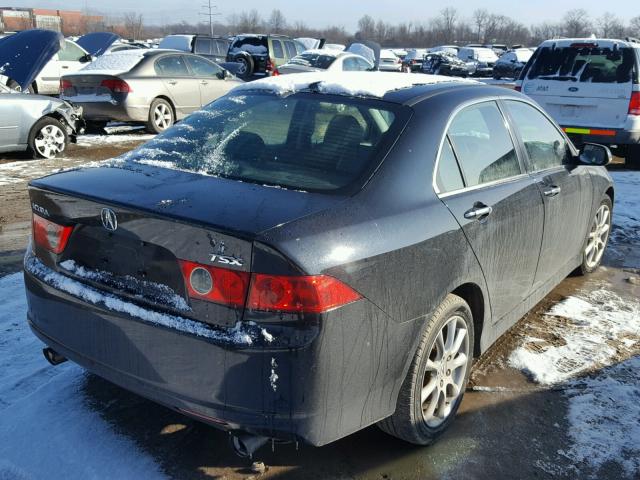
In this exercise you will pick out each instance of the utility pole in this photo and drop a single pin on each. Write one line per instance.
(209, 8)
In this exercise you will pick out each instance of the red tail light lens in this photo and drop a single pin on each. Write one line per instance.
(214, 284)
(64, 84)
(304, 294)
(116, 85)
(517, 88)
(634, 104)
(49, 235)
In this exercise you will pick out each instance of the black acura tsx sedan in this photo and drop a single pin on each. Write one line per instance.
(313, 254)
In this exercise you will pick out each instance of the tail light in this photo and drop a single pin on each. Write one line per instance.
(413, 62)
(116, 85)
(303, 294)
(49, 235)
(634, 104)
(64, 84)
(274, 293)
(518, 88)
(271, 67)
(215, 284)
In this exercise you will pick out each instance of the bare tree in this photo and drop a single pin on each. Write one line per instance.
(610, 26)
(249, 22)
(480, 18)
(366, 27)
(634, 26)
(277, 21)
(577, 23)
(133, 25)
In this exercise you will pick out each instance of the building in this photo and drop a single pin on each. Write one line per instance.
(68, 22)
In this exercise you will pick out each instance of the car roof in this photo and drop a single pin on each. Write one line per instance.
(387, 86)
(602, 42)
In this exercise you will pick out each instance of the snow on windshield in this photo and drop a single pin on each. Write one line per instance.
(369, 84)
(115, 62)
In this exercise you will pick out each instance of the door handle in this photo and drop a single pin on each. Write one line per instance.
(65, 66)
(204, 82)
(552, 191)
(172, 82)
(478, 212)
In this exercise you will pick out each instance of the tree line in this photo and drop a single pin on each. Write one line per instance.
(448, 27)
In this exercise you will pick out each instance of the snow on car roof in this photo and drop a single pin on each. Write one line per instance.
(364, 84)
(602, 42)
(318, 51)
(116, 62)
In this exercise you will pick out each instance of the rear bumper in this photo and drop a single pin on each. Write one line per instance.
(604, 136)
(106, 111)
(334, 381)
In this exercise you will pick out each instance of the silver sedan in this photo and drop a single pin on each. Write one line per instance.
(154, 87)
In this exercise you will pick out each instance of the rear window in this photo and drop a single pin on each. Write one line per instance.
(251, 45)
(301, 142)
(313, 60)
(583, 64)
(117, 62)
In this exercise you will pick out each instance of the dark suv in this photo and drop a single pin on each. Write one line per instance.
(262, 54)
(213, 48)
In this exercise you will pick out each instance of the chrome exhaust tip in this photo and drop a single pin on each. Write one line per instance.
(245, 445)
(53, 357)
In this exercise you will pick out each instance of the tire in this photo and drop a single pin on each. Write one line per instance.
(496, 76)
(410, 422)
(161, 116)
(245, 70)
(48, 138)
(597, 238)
(632, 158)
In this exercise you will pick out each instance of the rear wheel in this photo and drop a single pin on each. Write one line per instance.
(48, 138)
(245, 67)
(432, 391)
(160, 116)
(597, 238)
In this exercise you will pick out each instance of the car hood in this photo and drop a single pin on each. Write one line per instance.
(367, 49)
(96, 43)
(23, 55)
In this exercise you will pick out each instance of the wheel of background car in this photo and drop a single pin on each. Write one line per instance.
(160, 116)
(597, 238)
(496, 76)
(433, 388)
(245, 69)
(48, 138)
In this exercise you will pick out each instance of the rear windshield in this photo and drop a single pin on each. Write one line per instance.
(305, 141)
(116, 62)
(313, 60)
(251, 45)
(583, 64)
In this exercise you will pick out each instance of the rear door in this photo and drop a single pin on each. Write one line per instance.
(182, 86)
(210, 79)
(583, 84)
(498, 206)
(565, 188)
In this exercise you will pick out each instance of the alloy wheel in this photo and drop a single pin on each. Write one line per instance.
(50, 141)
(445, 371)
(598, 236)
(162, 116)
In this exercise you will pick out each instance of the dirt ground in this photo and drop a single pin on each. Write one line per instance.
(507, 427)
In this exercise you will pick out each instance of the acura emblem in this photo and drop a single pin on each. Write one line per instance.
(109, 219)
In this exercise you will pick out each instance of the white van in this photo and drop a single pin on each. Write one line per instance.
(591, 88)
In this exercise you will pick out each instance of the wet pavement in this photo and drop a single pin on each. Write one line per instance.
(507, 427)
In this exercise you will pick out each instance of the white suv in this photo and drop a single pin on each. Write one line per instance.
(591, 88)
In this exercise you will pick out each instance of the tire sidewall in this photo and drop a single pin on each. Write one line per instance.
(457, 307)
(37, 127)
(152, 124)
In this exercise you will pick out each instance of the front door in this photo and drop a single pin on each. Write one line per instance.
(499, 207)
(211, 79)
(181, 85)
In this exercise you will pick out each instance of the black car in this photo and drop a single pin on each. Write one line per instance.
(212, 47)
(511, 63)
(442, 63)
(262, 54)
(298, 261)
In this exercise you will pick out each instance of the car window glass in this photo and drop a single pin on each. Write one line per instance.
(71, 52)
(203, 68)
(546, 146)
(171, 66)
(277, 49)
(448, 176)
(291, 49)
(349, 64)
(362, 64)
(482, 144)
(203, 46)
(222, 47)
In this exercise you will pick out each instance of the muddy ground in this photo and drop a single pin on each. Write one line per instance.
(507, 427)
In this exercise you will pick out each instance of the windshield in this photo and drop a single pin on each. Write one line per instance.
(304, 141)
(583, 64)
(313, 60)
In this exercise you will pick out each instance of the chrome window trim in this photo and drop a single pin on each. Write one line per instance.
(458, 109)
(484, 185)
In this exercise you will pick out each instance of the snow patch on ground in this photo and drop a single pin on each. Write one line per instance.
(48, 429)
(626, 214)
(113, 138)
(580, 333)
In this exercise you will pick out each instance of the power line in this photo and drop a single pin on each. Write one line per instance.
(209, 13)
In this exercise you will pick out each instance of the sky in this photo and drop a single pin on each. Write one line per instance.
(339, 12)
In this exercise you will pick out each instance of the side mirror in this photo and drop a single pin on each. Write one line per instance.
(85, 58)
(595, 154)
